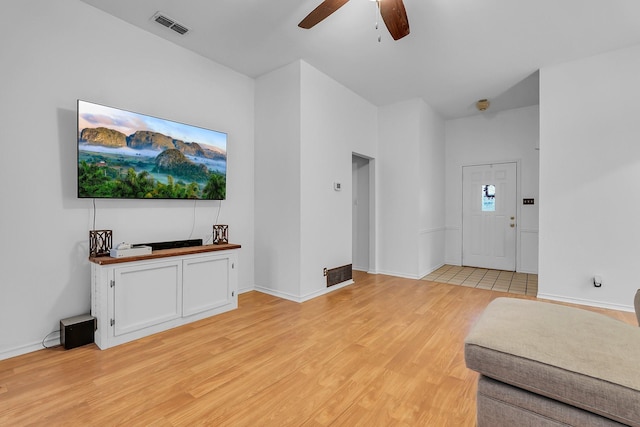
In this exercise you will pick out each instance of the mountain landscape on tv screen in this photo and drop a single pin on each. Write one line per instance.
(148, 164)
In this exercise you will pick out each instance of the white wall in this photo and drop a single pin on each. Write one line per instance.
(410, 207)
(277, 182)
(431, 196)
(335, 123)
(307, 126)
(398, 218)
(54, 53)
(510, 135)
(589, 176)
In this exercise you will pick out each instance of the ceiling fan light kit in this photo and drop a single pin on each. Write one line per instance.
(393, 14)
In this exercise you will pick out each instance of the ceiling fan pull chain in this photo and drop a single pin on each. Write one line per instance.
(378, 17)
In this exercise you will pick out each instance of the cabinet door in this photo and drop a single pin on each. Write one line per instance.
(205, 284)
(146, 295)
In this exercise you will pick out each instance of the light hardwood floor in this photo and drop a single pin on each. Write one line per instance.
(385, 351)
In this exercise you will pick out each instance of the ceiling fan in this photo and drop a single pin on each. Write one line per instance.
(393, 14)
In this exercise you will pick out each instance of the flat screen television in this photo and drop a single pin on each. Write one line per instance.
(126, 155)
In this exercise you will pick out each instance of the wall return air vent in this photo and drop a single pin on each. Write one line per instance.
(339, 275)
(163, 19)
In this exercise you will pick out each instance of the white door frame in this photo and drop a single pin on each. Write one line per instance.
(372, 268)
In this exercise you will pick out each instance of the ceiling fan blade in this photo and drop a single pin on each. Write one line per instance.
(326, 8)
(395, 18)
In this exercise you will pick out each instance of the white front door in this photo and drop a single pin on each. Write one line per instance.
(489, 216)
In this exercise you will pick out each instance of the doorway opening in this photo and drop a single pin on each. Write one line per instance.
(363, 213)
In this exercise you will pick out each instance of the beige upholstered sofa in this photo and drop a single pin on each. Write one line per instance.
(544, 364)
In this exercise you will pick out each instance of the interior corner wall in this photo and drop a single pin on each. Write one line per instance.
(410, 208)
(335, 122)
(398, 214)
(431, 245)
(589, 175)
(278, 186)
(510, 135)
(53, 54)
(307, 127)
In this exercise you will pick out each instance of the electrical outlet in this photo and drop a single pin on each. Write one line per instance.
(324, 272)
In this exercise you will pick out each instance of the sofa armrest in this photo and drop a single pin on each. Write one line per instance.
(584, 359)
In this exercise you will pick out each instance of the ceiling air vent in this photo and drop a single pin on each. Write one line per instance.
(169, 23)
(179, 28)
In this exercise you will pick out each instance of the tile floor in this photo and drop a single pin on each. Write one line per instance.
(482, 278)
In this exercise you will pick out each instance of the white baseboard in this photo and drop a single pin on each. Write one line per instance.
(28, 348)
(365, 270)
(327, 290)
(276, 293)
(431, 270)
(245, 290)
(591, 303)
(303, 298)
(369, 271)
(396, 274)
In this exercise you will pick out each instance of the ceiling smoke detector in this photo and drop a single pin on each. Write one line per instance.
(482, 104)
(163, 19)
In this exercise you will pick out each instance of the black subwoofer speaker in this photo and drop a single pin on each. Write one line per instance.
(76, 331)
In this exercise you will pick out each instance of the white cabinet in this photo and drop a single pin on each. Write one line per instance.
(135, 298)
(146, 294)
(197, 295)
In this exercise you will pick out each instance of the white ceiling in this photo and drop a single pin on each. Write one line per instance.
(458, 51)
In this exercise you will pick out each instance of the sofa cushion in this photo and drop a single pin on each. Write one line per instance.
(500, 404)
(585, 359)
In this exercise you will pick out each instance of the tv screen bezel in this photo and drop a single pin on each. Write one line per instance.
(153, 118)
